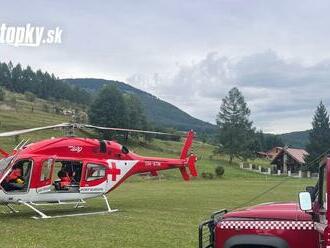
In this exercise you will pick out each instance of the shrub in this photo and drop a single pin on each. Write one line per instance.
(219, 171)
(207, 175)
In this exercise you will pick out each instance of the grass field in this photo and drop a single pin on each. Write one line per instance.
(153, 213)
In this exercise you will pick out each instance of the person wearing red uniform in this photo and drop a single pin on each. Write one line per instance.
(14, 181)
(14, 175)
(65, 179)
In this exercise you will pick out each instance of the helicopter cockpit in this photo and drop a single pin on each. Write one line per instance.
(18, 178)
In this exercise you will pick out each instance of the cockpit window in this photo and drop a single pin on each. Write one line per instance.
(4, 163)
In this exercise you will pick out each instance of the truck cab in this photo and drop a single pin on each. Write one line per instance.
(275, 225)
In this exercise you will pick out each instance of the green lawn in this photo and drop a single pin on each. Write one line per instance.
(153, 213)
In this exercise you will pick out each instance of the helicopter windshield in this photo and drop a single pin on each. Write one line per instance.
(4, 163)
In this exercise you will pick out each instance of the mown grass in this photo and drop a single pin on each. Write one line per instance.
(153, 213)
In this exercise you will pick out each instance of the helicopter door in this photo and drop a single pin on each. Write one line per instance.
(45, 178)
(94, 179)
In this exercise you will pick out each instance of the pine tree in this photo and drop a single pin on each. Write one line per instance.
(319, 137)
(236, 135)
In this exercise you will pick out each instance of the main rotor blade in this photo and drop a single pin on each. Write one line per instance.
(128, 130)
(23, 131)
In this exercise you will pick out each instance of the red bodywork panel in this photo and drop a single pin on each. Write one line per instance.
(283, 220)
(275, 211)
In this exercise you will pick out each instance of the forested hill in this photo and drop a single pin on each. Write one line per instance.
(158, 112)
(296, 139)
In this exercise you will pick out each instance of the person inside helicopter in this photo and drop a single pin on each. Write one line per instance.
(65, 179)
(18, 178)
(14, 181)
(68, 176)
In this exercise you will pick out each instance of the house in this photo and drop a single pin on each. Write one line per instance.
(289, 159)
(271, 153)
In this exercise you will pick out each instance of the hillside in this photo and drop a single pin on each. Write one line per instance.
(158, 112)
(296, 139)
(22, 113)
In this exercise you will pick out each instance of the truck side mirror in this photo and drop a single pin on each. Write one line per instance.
(305, 201)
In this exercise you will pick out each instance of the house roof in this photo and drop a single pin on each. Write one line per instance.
(297, 154)
(273, 150)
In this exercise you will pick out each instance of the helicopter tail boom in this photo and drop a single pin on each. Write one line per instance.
(191, 160)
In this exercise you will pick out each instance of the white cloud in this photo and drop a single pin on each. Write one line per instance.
(281, 95)
(120, 39)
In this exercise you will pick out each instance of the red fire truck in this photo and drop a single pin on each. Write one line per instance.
(275, 225)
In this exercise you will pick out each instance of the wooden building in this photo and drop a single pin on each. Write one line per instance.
(289, 159)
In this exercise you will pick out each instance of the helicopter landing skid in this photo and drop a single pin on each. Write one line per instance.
(44, 216)
(12, 210)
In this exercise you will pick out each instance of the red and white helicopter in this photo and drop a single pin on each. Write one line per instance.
(69, 170)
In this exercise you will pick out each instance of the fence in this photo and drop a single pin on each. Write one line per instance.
(271, 171)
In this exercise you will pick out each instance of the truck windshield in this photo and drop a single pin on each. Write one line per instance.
(4, 163)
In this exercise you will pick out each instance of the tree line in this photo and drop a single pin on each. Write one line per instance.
(42, 84)
(108, 107)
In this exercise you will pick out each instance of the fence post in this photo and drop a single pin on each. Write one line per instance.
(241, 165)
(289, 173)
(259, 168)
(269, 171)
(300, 173)
(278, 172)
(250, 166)
(308, 174)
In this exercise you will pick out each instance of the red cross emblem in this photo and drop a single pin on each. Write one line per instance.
(114, 171)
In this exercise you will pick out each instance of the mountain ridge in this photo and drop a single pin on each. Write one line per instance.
(298, 139)
(159, 112)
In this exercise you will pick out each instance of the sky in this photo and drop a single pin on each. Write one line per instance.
(191, 53)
